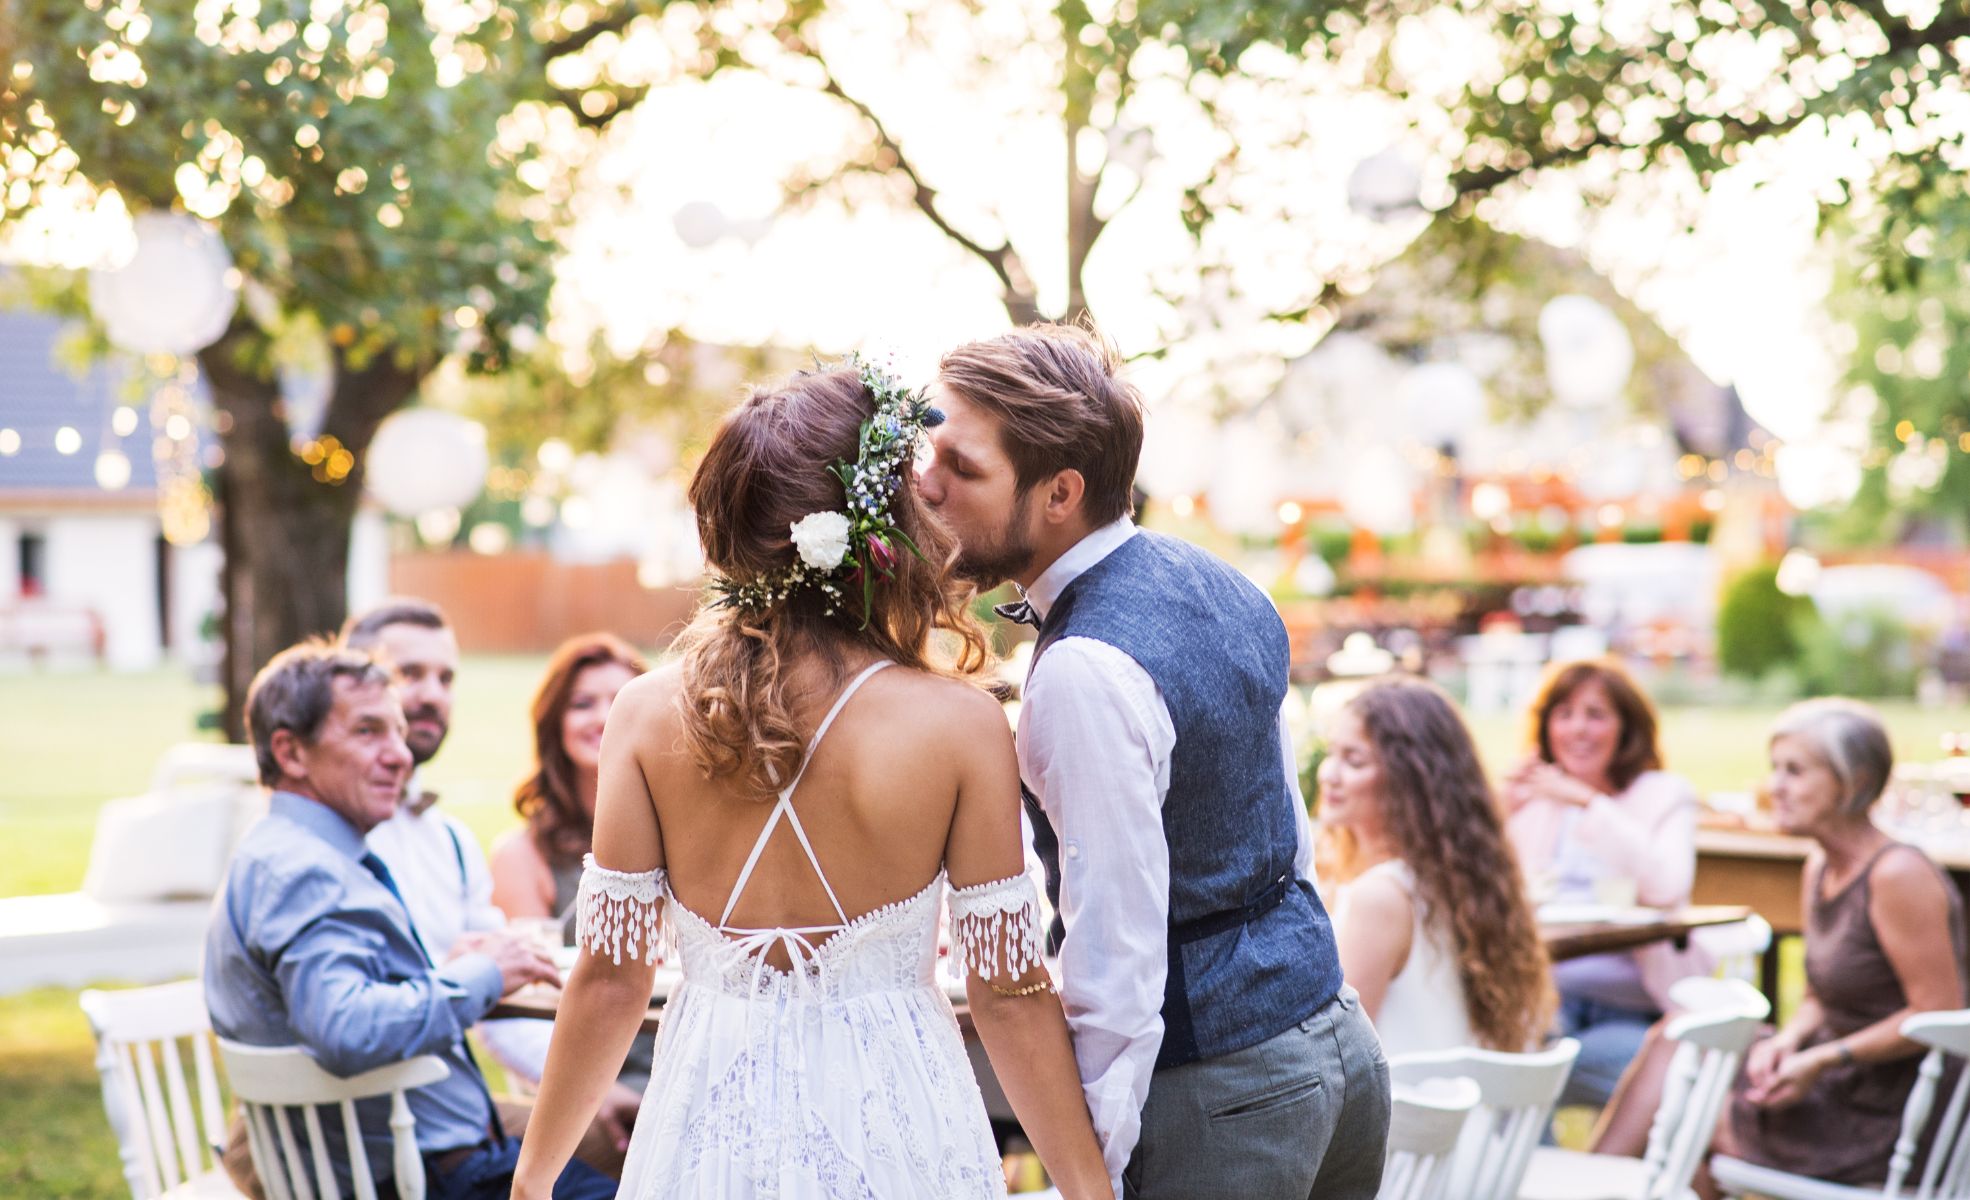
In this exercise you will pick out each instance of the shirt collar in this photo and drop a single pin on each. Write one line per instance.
(1073, 564)
(319, 819)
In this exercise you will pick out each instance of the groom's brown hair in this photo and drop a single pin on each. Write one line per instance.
(1058, 394)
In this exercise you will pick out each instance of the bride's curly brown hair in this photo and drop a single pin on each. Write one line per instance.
(766, 468)
(1438, 809)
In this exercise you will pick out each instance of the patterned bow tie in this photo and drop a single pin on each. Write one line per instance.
(1019, 612)
(419, 802)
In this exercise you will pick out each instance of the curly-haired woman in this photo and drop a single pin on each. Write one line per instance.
(1431, 916)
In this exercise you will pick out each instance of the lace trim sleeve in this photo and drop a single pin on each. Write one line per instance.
(614, 909)
(996, 925)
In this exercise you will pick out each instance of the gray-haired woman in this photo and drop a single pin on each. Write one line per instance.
(1823, 1095)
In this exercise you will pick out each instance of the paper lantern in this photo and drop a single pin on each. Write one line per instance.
(1341, 385)
(1378, 492)
(177, 293)
(1248, 479)
(1589, 354)
(1385, 186)
(1442, 402)
(424, 459)
(699, 224)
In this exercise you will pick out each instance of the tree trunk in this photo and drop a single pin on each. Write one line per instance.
(284, 524)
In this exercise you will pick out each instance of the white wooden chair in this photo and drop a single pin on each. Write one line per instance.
(169, 1146)
(1947, 1173)
(1516, 1096)
(1711, 1040)
(1423, 1130)
(270, 1081)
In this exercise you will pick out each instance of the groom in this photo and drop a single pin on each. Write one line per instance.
(1219, 1051)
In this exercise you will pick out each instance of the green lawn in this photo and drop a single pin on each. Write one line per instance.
(72, 741)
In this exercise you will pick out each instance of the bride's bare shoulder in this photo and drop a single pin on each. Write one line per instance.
(649, 700)
(940, 705)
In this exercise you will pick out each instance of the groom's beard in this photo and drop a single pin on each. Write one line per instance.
(989, 563)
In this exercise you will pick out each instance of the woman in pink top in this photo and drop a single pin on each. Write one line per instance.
(1595, 819)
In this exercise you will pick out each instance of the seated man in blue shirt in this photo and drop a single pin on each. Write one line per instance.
(310, 943)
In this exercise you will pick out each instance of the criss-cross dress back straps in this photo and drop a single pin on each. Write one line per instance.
(783, 807)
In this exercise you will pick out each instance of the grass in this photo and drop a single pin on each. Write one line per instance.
(72, 741)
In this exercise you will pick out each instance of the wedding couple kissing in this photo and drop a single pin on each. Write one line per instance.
(787, 806)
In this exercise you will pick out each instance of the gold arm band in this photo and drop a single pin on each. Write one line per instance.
(1042, 985)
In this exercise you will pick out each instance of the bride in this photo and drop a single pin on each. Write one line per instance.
(782, 810)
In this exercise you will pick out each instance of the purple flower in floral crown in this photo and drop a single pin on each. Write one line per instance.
(880, 555)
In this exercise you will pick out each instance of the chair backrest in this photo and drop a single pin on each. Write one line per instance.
(1516, 1096)
(270, 1081)
(142, 1039)
(1711, 1042)
(1947, 1173)
(1426, 1120)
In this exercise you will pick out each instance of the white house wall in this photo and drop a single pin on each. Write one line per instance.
(194, 598)
(10, 560)
(369, 559)
(108, 563)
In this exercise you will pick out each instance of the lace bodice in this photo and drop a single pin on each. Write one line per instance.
(841, 1076)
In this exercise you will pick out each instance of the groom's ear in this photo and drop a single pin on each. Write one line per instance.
(1063, 497)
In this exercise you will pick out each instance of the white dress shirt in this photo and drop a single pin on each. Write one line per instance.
(439, 867)
(1095, 738)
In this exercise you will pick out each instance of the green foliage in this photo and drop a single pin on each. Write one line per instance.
(1870, 654)
(1758, 626)
(1534, 86)
(1901, 307)
(367, 172)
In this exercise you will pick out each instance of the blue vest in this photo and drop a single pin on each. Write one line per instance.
(1251, 952)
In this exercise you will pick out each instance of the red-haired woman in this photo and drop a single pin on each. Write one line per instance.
(1595, 818)
(537, 869)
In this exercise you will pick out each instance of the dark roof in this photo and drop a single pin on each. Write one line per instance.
(39, 396)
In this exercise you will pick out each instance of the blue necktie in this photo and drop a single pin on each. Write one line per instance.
(376, 867)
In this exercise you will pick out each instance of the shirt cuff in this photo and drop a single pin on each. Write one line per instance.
(1116, 1111)
(477, 975)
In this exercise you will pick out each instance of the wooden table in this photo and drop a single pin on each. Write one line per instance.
(543, 1003)
(1601, 937)
(1766, 871)
(1562, 942)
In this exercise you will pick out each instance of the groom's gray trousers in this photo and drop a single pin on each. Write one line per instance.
(1302, 1116)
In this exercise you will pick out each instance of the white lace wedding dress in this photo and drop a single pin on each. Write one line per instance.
(843, 1077)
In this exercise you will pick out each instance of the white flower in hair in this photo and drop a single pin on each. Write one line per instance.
(822, 539)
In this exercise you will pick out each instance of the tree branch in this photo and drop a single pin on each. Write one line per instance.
(1002, 259)
(579, 40)
(1903, 40)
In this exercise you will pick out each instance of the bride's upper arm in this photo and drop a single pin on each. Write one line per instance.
(627, 837)
(985, 841)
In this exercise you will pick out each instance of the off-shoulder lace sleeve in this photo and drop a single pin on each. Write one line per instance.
(989, 916)
(614, 909)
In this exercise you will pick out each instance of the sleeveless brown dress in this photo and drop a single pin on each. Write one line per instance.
(1844, 1131)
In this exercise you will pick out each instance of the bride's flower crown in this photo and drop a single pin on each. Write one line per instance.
(839, 550)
